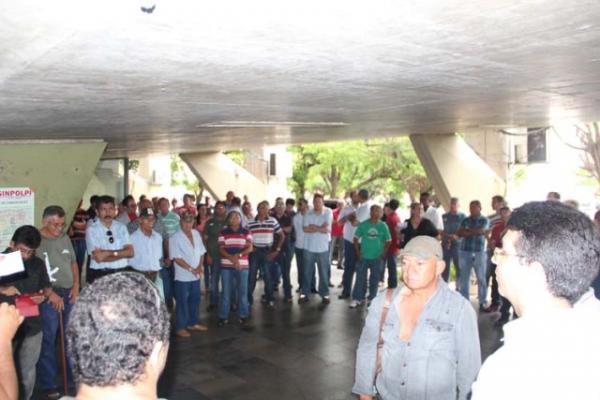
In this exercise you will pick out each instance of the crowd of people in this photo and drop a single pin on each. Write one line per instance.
(142, 259)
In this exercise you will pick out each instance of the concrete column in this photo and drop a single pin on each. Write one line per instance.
(456, 170)
(219, 174)
(58, 172)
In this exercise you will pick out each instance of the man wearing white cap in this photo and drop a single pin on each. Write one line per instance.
(420, 340)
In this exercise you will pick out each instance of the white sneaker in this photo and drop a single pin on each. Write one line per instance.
(354, 304)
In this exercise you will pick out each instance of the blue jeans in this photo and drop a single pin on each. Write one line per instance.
(349, 267)
(232, 279)
(284, 263)
(392, 265)
(300, 265)
(322, 261)
(360, 286)
(451, 255)
(47, 366)
(476, 260)
(79, 247)
(167, 274)
(259, 262)
(187, 296)
(215, 274)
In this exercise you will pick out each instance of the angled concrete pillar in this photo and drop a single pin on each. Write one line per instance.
(219, 174)
(456, 170)
(58, 172)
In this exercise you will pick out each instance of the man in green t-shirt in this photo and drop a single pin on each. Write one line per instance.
(210, 236)
(371, 241)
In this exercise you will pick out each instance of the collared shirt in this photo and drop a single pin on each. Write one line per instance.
(475, 243)
(97, 237)
(550, 356)
(337, 230)
(158, 227)
(181, 247)
(440, 361)
(147, 251)
(317, 242)
(263, 232)
(451, 224)
(170, 222)
(349, 229)
(213, 229)
(60, 255)
(393, 221)
(298, 231)
(234, 242)
(433, 214)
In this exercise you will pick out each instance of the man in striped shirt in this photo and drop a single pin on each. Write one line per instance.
(263, 230)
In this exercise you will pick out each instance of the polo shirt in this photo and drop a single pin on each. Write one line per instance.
(317, 242)
(451, 224)
(474, 243)
(234, 242)
(147, 251)
(263, 232)
(181, 247)
(337, 230)
(373, 238)
(97, 236)
(170, 222)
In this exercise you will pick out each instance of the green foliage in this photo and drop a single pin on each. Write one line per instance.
(237, 156)
(182, 176)
(383, 166)
(133, 165)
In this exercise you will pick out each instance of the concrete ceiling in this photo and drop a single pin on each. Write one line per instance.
(196, 75)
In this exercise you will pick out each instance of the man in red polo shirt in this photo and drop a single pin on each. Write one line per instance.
(393, 221)
(188, 205)
(337, 237)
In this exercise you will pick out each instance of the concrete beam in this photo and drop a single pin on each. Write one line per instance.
(58, 172)
(219, 174)
(455, 170)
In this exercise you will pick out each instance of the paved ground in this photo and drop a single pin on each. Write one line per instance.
(293, 352)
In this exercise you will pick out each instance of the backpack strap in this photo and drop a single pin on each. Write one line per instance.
(389, 295)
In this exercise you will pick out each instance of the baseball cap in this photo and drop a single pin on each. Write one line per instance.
(146, 212)
(423, 247)
(187, 216)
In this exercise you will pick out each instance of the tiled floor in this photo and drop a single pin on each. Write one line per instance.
(292, 352)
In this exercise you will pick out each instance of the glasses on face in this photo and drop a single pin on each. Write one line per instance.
(111, 239)
(500, 254)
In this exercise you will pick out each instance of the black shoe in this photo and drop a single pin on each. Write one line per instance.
(244, 322)
(288, 300)
(222, 322)
(343, 296)
(303, 299)
(326, 300)
(340, 267)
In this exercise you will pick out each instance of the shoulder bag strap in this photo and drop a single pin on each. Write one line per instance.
(389, 294)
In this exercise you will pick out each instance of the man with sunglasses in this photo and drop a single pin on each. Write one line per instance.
(549, 257)
(108, 242)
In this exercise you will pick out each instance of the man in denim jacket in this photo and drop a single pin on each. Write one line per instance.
(430, 339)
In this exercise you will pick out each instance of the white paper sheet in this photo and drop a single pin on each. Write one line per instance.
(11, 263)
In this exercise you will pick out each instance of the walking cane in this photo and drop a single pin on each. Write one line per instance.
(63, 358)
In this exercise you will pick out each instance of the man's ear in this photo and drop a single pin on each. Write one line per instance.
(440, 266)
(158, 357)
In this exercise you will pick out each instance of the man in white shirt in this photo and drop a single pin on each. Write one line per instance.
(431, 213)
(147, 246)
(348, 218)
(550, 255)
(316, 226)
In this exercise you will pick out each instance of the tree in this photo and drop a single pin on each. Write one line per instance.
(385, 166)
(589, 137)
(182, 176)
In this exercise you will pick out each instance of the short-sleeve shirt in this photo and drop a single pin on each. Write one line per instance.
(82, 217)
(373, 238)
(433, 214)
(451, 224)
(349, 229)
(337, 230)
(181, 247)
(212, 231)
(158, 227)
(60, 255)
(425, 228)
(263, 232)
(36, 280)
(317, 242)
(234, 242)
(183, 209)
(474, 243)
(392, 222)
(298, 231)
(496, 234)
(285, 221)
(147, 251)
(170, 222)
(98, 236)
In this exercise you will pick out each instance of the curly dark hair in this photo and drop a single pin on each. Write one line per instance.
(563, 240)
(113, 328)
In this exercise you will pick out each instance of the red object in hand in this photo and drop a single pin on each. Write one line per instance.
(26, 306)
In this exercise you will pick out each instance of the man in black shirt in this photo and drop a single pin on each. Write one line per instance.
(416, 225)
(28, 340)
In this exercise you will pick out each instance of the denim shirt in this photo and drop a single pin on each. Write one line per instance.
(440, 361)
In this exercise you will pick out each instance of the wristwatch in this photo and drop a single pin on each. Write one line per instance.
(115, 253)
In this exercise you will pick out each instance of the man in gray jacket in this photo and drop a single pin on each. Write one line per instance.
(420, 340)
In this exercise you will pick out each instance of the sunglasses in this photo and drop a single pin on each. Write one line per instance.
(111, 239)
